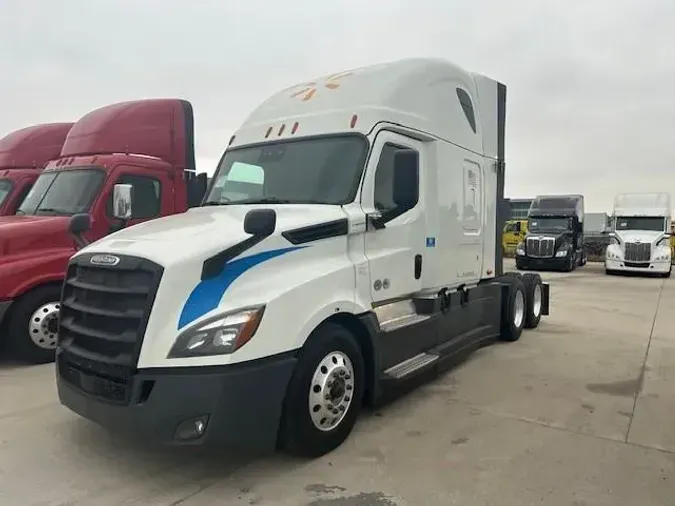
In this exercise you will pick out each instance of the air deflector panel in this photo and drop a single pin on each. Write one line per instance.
(163, 128)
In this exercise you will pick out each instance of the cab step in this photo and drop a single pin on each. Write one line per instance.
(410, 366)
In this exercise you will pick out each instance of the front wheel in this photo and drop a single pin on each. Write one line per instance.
(571, 263)
(325, 393)
(32, 327)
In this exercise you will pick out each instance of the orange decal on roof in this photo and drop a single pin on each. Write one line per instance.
(310, 89)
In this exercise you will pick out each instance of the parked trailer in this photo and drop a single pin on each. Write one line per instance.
(640, 241)
(350, 240)
(147, 144)
(23, 155)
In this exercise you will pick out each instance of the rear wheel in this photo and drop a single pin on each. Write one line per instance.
(513, 309)
(325, 393)
(534, 292)
(32, 326)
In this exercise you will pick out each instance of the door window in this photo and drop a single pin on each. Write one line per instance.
(147, 196)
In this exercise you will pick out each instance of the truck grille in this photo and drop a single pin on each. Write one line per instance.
(638, 252)
(103, 316)
(540, 248)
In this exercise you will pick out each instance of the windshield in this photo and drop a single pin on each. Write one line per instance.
(548, 224)
(5, 187)
(641, 223)
(323, 170)
(63, 193)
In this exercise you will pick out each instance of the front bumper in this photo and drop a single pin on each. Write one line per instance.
(553, 263)
(239, 406)
(660, 267)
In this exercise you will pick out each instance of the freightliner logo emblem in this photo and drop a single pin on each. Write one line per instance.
(104, 260)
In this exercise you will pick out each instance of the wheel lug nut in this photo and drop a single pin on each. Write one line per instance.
(342, 408)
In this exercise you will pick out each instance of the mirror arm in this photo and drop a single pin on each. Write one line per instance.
(375, 221)
(80, 241)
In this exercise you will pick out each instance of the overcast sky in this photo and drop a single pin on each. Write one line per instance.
(591, 84)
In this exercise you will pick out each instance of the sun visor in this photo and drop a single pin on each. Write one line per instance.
(34, 146)
(163, 128)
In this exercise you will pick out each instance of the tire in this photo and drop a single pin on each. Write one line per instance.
(534, 292)
(31, 326)
(571, 263)
(512, 327)
(299, 435)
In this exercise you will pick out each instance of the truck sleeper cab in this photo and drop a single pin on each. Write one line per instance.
(146, 144)
(23, 154)
(640, 241)
(350, 241)
(555, 234)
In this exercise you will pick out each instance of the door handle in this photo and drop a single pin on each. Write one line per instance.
(418, 266)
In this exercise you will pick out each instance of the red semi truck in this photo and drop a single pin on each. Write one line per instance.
(148, 144)
(23, 155)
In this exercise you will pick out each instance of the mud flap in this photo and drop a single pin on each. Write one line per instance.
(545, 298)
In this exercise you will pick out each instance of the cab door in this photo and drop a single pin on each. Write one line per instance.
(394, 243)
(394, 248)
(152, 196)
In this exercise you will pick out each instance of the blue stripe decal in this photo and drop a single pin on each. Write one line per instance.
(207, 294)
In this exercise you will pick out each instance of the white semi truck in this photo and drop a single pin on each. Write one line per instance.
(349, 242)
(640, 241)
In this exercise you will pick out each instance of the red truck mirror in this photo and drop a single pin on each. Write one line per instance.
(122, 197)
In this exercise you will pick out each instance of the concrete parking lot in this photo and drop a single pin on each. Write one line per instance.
(579, 412)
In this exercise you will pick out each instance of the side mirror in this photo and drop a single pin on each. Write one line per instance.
(78, 225)
(406, 178)
(260, 222)
(122, 197)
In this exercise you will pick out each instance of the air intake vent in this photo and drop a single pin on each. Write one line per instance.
(317, 232)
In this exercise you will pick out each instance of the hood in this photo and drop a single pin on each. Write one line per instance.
(643, 236)
(27, 233)
(204, 231)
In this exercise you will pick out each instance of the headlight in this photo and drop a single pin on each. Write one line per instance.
(562, 251)
(520, 249)
(219, 335)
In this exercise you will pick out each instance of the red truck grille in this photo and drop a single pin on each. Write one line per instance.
(103, 316)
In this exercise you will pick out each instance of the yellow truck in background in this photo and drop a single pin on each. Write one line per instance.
(512, 235)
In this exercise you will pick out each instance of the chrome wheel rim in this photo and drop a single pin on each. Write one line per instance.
(518, 309)
(331, 391)
(43, 327)
(536, 300)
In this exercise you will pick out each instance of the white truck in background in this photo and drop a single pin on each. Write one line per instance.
(640, 241)
(349, 242)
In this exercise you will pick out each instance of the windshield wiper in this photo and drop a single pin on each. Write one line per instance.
(214, 203)
(264, 200)
(53, 211)
(275, 200)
